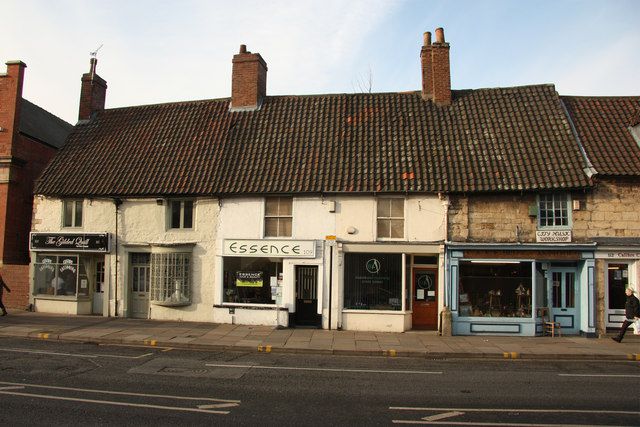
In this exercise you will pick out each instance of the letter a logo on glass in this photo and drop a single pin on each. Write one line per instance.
(373, 266)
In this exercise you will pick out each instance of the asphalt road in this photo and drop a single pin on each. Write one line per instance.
(57, 383)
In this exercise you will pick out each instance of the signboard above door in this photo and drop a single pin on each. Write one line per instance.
(70, 242)
(270, 248)
(553, 236)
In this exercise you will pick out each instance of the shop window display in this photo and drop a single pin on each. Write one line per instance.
(248, 280)
(56, 275)
(171, 279)
(373, 281)
(618, 279)
(489, 289)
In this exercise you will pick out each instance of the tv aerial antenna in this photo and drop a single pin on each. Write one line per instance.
(95, 52)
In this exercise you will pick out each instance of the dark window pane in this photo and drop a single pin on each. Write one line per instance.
(78, 219)
(248, 280)
(618, 275)
(175, 214)
(495, 289)
(188, 215)
(556, 290)
(570, 294)
(373, 281)
(68, 214)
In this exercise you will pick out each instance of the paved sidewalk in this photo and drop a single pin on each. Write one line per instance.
(210, 336)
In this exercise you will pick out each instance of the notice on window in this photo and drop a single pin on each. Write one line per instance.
(420, 294)
(553, 236)
(249, 279)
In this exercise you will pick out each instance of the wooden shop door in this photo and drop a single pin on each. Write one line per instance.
(425, 298)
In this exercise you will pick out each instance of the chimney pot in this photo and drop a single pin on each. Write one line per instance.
(243, 48)
(427, 67)
(441, 70)
(426, 38)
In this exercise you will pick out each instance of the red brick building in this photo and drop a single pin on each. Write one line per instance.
(29, 137)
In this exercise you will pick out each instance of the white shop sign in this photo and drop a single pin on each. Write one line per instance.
(270, 248)
(618, 255)
(553, 236)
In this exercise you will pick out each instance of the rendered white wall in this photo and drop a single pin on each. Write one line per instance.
(141, 223)
(381, 322)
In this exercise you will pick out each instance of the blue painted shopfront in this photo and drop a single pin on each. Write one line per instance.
(500, 289)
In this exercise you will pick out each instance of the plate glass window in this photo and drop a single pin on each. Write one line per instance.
(248, 280)
(553, 211)
(181, 214)
(496, 289)
(390, 222)
(278, 216)
(373, 281)
(72, 213)
(56, 275)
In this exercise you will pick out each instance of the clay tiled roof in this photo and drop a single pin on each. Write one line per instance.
(603, 125)
(486, 140)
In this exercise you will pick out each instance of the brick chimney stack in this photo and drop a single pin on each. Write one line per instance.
(93, 93)
(427, 67)
(10, 103)
(441, 69)
(248, 81)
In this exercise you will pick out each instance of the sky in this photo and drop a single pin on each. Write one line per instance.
(164, 51)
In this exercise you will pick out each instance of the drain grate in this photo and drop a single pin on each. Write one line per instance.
(178, 370)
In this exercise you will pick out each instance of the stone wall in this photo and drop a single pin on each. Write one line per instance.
(611, 210)
(500, 218)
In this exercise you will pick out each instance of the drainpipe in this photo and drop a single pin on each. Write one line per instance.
(445, 204)
(330, 281)
(116, 202)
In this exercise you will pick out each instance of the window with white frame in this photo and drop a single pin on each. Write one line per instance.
(278, 216)
(553, 210)
(171, 278)
(390, 218)
(181, 214)
(72, 213)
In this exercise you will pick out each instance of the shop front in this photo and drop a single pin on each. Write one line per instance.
(504, 289)
(68, 272)
(270, 282)
(390, 287)
(618, 262)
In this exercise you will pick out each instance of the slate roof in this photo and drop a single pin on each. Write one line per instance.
(602, 124)
(40, 124)
(502, 139)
